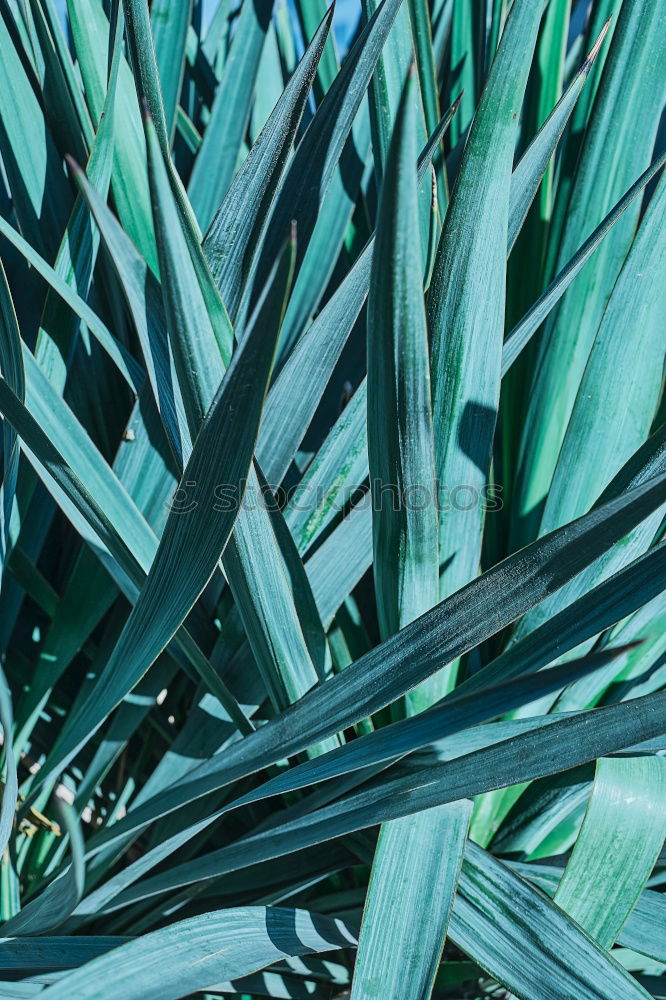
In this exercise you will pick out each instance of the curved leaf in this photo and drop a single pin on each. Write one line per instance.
(198, 953)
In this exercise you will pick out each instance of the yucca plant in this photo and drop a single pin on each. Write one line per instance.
(333, 615)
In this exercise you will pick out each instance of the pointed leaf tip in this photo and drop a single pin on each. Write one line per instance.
(73, 165)
(627, 647)
(594, 51)
(328, 16)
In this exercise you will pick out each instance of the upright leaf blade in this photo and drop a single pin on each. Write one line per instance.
(626, 111)
(90, 32)
(170, 22)
(534, 161)
(237, 227)
(198, 361)
(400, 444)
(11, 367)
(466, 301)
(217, 157)
(618, 844)
(413, 881)
(10, 783)
(41, 197)
(625, 361)
(316, 157)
